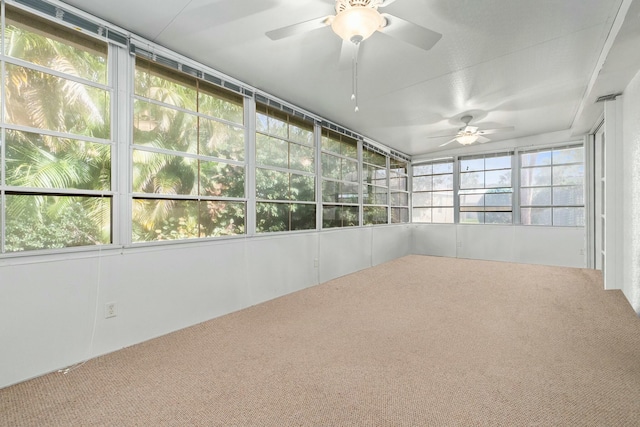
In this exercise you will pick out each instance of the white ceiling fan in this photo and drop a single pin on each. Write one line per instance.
(467, 135)
(357, 20)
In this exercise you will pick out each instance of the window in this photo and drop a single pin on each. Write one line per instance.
(433, 192)
(285, 172)
(56, 189)
(182, 170)
(552, 187)
(485, 189)
(375, 189)
(340, 199)
(398, 184)
(188, 157)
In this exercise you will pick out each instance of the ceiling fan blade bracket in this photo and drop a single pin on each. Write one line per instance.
(498, 130)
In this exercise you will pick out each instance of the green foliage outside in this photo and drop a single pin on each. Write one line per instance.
(287, 144)
(185, 172)
(32, 161)
(188, 158)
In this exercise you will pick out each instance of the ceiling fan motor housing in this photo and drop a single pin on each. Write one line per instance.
(347, 4)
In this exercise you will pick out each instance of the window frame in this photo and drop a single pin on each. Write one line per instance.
(341, 140)
(395, 207)
(552, 206)
(431, 206)
(199, 87)
(106, 227)
(290, 119)
(483, 191)
(375, 208)
(516, 184)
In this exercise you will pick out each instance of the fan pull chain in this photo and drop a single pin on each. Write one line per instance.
(354, 77)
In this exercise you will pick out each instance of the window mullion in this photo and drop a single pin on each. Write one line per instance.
(456, 189)
(55, 73)
(515, 187)
(122, 66)
(360, 182)
(250, 158)
(317, 138)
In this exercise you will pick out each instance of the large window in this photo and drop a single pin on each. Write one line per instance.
(550, 190)
(188, 157)
(433, 192)
(375, 188)
(340, 199)
(56, 187)
(552, 187)
(97, 150)
(285, 172)
(398, 185)
(486, 194)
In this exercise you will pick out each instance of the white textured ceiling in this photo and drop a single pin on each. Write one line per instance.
(521, 63)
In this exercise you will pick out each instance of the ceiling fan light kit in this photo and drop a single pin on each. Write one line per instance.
(355, 23)
(467, 138)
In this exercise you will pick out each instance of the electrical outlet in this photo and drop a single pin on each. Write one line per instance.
(316, 263)
(110, 310)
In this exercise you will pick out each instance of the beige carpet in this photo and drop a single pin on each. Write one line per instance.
(419, 341)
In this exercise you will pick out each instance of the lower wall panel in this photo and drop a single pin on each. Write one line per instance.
(561, 246)
(434, 239)
(48, 303)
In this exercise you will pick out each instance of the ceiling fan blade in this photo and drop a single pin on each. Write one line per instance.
(447, 143)
(448, 135)
(410, 32)
(302, 27)
(490, 131)
(470, 129)
(482, 139)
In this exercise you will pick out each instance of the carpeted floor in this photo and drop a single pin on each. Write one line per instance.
(419, 341)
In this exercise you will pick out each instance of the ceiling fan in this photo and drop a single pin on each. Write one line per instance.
(357, 20)
(467, 135)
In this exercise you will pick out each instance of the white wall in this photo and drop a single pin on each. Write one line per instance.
(562, 246)
(435, 240)
(47, 302)
(631, 193)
